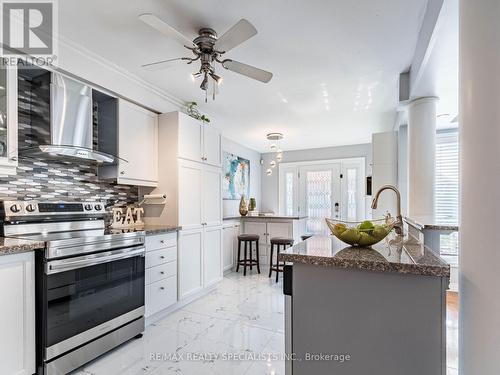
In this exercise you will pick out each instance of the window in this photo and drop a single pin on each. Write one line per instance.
(447, 186)
(319, 202)
(289, 193)
(352, 183)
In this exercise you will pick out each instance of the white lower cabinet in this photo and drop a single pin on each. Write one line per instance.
(190, 264)
(230, 234)
(17, 312)
(161, 272)
(160, 295)
(212, 255)
(200, 259)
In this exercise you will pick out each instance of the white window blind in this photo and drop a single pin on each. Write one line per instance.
(447, 185)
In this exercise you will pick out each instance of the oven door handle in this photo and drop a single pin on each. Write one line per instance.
(69, 264)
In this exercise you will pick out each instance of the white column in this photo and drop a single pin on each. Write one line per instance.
(479, 76)
(421, 156)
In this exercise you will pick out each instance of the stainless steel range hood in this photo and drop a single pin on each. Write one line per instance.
(71, 127)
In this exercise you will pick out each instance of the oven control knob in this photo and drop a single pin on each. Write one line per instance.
(15, 207)
(98, 207)
(88, 207)
(31, 207)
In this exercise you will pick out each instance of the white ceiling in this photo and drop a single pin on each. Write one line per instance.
(349, 51)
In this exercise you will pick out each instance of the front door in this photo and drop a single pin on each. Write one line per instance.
(320, 195)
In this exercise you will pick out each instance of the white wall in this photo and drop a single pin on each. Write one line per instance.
(86, 64)
(479, 180)
(230, 207)
(403, 167)
(270, 184)
(385, 171)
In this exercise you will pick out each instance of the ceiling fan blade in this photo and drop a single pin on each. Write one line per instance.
(165, 28)
(164, 64)
(248, 70)
(240, 32)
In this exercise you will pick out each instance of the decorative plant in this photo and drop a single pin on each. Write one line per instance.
(192, 110)
(252, 204)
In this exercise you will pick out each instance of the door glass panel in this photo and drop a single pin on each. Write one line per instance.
(81, 299)
(3, 113)
(319, 200)
(289, 193)
(351, 194)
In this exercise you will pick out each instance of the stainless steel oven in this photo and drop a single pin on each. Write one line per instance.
(89, 282)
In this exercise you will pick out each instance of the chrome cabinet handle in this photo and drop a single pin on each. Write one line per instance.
(162, 288)
(162, 257)
(162, 241)
(162, 273)
(122, 172)
(13, 158)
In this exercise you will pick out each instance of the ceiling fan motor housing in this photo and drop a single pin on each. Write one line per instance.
(206, 40)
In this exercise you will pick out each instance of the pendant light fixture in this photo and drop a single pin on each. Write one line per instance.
(274, 145)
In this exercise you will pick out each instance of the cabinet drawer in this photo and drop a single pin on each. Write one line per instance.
(162, 271)
(159, 241)
(160, 295)
(157, 257)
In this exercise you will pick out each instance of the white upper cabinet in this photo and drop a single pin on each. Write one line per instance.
(196, 141)
(211, 145)
(137, 144)
(8, 120)
(190, 138)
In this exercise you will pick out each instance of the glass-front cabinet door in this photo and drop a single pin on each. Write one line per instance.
(8, 120)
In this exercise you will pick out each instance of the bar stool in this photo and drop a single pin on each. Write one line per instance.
(281, 243)
(306, 236)
(248, 260)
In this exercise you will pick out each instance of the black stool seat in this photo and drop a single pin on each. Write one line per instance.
(305, 236)
(248, 237)
(281, 243)
(248, 255)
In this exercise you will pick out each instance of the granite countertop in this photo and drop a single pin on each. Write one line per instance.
(394, 254)
(15, 245)
(430, 222)
(266, 217)
(148, 229)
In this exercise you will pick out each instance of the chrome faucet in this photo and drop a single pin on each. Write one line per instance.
(398, 227)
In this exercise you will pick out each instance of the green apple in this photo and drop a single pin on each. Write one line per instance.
(379, 232)
(366, 226)
(350, 236)
(339, 228)
(366, 240)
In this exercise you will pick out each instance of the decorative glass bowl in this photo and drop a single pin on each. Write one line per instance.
(362, 233)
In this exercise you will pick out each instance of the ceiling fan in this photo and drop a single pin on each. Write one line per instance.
(209, 50)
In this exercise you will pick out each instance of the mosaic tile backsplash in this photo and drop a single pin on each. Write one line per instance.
(60, 181)
(52, 179)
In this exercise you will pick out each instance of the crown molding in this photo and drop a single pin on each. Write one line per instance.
(98, 59)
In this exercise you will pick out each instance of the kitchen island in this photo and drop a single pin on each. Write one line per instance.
(355, 310)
